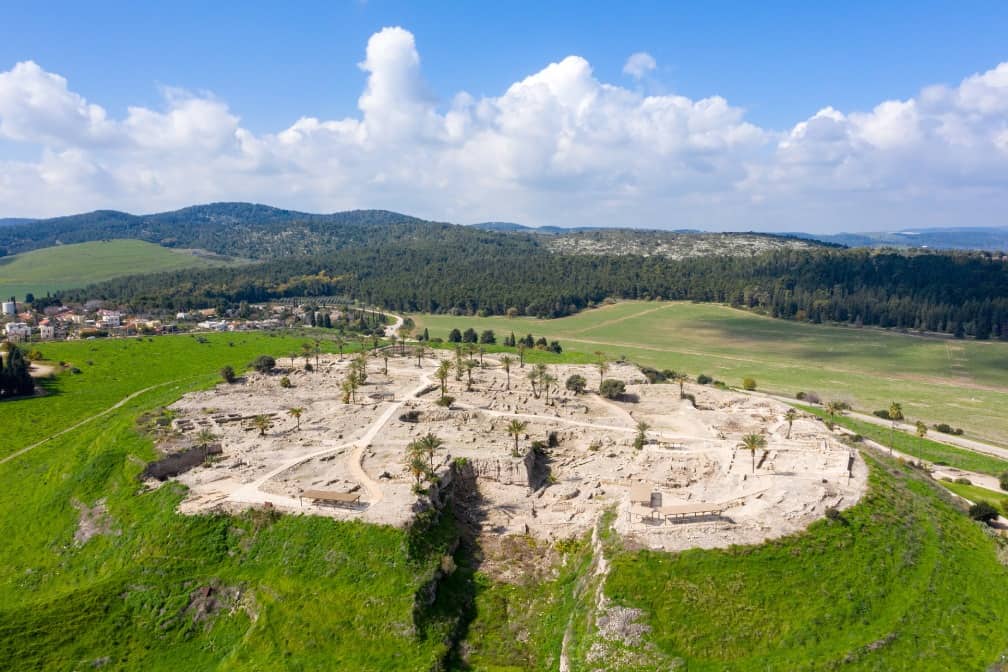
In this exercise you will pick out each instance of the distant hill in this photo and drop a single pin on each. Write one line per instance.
(67, 266)
(674, 244)
(965, 238)
(14, 221)
(246, 230)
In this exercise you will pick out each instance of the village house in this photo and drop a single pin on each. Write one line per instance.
(18, 331)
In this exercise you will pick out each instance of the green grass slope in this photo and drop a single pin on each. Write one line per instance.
(904, 581)
(293, 593)
(65, 266)
(938, 380)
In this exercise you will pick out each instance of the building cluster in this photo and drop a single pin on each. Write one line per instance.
(20, 323)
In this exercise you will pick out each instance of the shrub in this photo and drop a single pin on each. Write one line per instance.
(264, 364)
(576, 383)
(228, 374)
(832, 513)
(882, 413)
(653, 375)
(1003, 480)
(690, 398)
(800, 396)
(964, 481)
(983, 512)
(309, 367)
(749, 384)
(812, 398)
(704, 379)
(445, 401)
(612, 388)
(285, 382)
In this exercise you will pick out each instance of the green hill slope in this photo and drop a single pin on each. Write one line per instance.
(65, 266)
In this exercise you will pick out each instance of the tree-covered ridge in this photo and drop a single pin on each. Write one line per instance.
(232, 229)
(955, 293)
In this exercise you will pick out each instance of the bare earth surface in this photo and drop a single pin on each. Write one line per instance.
(691, 458)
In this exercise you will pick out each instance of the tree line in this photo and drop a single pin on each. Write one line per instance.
(470, 272)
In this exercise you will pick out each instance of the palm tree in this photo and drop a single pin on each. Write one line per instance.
(349, 387)
(340, 343)
(429, 444)
(548, 381)
(506, 361)
(419, 353)
(641, 437)
(833, 408)
(536, 376)
(262, 423)
(415, 462)
(895, 415)
(443, 369)
(318, 349)
(469, 365)
(680, 378)
(384, 355)
(753, 442)
(516, 428)
(603, 366)
(458, 362)
(295, 413)
(521, 354)
(482, 351)
(306, 351)
(404, 333)
(360, 367)
(204, 439)
(790, 415)
(922, 429)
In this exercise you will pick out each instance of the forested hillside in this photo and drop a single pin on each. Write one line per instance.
(467, 271)
(243, 230)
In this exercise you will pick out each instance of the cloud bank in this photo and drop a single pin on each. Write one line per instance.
(558, 147)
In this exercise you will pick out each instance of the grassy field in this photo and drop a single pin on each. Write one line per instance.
(65, 266)
(975, 493)
(964, 383)
(920, 447)
(903, 581)
(297, 593)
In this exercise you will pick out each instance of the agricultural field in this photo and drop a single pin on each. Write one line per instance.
(937, 380)
(66, 266)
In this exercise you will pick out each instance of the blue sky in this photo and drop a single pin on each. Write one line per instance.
(268, 66)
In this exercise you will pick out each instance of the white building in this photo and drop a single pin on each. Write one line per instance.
(47, 332)
(219, 325)
(9, 308)
(110, 318)
(18, 331)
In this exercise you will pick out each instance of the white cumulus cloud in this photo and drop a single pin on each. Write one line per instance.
(639, 64)
(557, 147)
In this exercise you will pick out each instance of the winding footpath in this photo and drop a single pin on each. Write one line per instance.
(122, 402)
(252, 493)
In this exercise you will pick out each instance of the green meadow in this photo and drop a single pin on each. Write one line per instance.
(66, 266)
(902, 581)
(964, 383)
(296, 593)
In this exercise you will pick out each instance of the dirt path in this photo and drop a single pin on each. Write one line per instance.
(117, 405)
(948, 439)
(618, 320)
(252, 493)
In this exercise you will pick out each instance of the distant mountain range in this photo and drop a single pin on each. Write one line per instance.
(966, 238)
(252, 230)
(993, 239)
